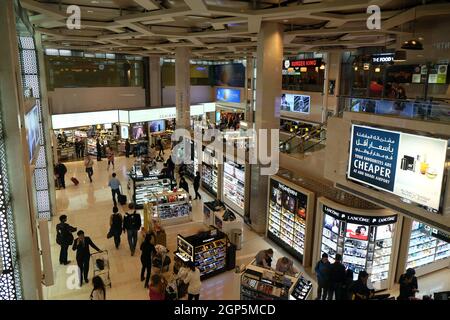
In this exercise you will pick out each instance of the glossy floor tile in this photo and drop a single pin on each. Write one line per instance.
(88, 207)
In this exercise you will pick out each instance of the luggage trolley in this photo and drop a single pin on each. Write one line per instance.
(100, 265)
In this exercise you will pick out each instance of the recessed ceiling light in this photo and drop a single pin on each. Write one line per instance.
(285, 20)
(90, 11)
(95, 1)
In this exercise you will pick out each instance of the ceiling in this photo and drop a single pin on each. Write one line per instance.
(222, 29)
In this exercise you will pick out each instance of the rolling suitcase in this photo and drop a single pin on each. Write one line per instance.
(75, 181)
(122, 199)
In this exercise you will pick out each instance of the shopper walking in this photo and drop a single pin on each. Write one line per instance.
(99, 290)
(323, 277)
(160, 146)
(115, 185)
(184, 185)
(110, 158)
(77, 148)
(89, 163)
(60, 171)
(147, 253)
(64, 238)
(82, 147)
(131, 224)
(99, 150)
(337, 279)
(127, 148)
(408, 285)
(81, 246)
(193, 280)
(116, 226)
(197, 186)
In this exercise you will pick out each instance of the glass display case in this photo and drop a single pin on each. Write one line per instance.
(365, 242)
(426, 245)
(266, 284)
(208, 251)
(170, 205)
(287, 218)
(234, 183)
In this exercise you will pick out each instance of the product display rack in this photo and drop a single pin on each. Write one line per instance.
(170, 207)
(234, 183)
(365, 242)
(265, 284)
(210, 172)
(286, 223)
(426, 246)
(208, 251)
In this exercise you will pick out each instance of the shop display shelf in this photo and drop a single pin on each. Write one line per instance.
(382, 255)
(421, 257)
(420, 262)
(420, 249)
(418, 243)
(445, 254)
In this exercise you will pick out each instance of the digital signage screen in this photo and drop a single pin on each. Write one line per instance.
(296, 103)
(409, 166)
(33, 131)
(157, 125)
(228, 95)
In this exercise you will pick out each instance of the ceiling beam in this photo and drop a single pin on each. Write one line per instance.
(148, 4)
(198, 6)
(42, 8)
(254, 24)
(154, 15)
(139, 27)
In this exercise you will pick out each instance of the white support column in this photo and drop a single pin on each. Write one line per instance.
(182, 86)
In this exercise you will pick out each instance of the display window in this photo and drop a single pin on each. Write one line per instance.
(426, 245)
(210, 179)
(365, 243)
(234, 183)
(287, 218)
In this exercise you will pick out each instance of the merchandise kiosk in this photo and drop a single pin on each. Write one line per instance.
(236, 186)
(208, 251)
(425, 248)
(140, 187)
(170, 207)
(290, 218)
(259, 283)
(367, 240)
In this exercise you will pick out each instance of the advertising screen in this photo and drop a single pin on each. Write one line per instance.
(232, 75)
(157, 126)
(33, 131)
(228, 95)
(295, 103)
(138, 132)
(124, 132)
(409, 166)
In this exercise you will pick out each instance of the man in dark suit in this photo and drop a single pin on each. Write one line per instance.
(81, 245)
(64, 238)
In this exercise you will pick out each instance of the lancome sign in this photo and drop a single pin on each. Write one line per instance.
(409, 166)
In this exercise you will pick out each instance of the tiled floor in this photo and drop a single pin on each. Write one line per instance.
(88, 207)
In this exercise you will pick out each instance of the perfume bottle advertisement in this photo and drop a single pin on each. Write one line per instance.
(409, 166)
(421, 169)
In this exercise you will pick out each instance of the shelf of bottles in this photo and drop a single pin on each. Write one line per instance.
(234, 183)
(210, 179)
(366, 245)
(150, 187)
(287, 216)
(211, 257)
(170, 205)
(426, 245)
